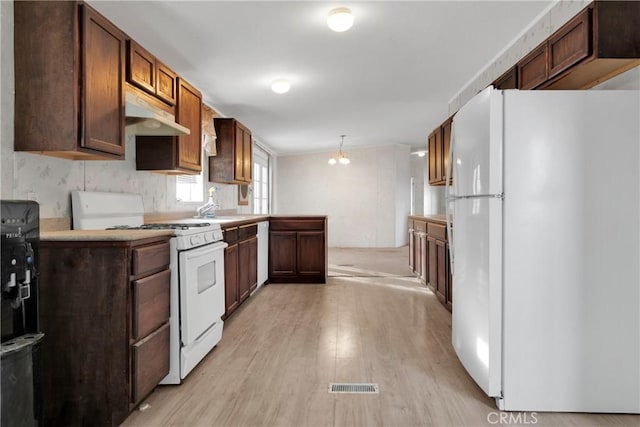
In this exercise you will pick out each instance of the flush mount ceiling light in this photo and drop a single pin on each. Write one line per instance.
(280, 86)
(340, 19)
(342, 157)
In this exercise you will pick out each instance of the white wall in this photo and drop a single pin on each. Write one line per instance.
(367, 201)
(418, 172)
(51, 179)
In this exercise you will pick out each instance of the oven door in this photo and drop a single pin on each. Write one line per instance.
(201, 272)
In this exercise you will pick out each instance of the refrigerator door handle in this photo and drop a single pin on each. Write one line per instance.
(449, 199)
(477, 196)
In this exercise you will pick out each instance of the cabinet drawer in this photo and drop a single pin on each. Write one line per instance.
(248, 231)
(150, 363)
(296, 224)
(437, 231)
(151, 303)
(149, 258)
(230, 235)
(419, 226)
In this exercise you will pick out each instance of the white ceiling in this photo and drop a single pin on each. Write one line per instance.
(388, 80)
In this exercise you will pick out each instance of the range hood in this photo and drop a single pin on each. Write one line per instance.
(150, 120)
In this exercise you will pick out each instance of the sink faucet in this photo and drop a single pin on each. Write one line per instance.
(207, 208)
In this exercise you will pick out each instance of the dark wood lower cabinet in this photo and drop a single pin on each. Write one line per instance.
(240, 265)
(248, 267)
(298, 250)
(231, 298)
(430, 253)
(104, 310)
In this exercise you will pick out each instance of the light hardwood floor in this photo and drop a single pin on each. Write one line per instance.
(372, 322)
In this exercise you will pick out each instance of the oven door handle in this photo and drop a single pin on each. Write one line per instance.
(203, 250)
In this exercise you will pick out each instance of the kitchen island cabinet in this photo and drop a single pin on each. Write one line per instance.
(298, 249)
(69, 81)
(105, 314)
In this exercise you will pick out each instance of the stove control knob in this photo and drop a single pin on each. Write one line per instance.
(195, 240)
(208, 237)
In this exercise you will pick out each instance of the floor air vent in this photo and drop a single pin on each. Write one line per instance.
(354, 388)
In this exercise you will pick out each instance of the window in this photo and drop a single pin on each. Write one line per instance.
(260, 181)
(189, 188)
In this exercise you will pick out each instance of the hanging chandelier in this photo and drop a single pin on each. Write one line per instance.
(342, 157)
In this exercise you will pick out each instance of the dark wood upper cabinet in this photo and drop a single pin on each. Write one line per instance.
(533, 69)
(509, 80)
(166, 83)
(446, 145)
(601, 41)
(438, 146)
(189, 114)
(69, 81)
(141, 67)
(179, 155)
(232, 163)
(149, 74)
(571, 44)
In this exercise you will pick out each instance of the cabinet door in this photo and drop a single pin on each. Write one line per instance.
(433, 263)
(311, 253)
(245, 267)
(411, 249)
(253, 264)
(533, 69)
(238, 144)
(441, 265)
(282, 253)
(246, 156)
(416, 252)
(103, 52)
(509, 80)
(189, 114)
(446, 144)
(141, 67)
(439, 172)
(166, 83)
(231, 298)
(424, 269)
(433, 178)
(571, 44)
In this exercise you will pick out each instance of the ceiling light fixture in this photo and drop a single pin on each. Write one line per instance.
(342, 157)
(280, 86)
(340, 19)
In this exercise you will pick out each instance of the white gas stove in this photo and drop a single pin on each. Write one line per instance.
(197, 272)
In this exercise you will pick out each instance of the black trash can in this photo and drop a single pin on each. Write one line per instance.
(20, 394)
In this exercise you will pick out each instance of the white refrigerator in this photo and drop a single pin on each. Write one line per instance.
(545, 248)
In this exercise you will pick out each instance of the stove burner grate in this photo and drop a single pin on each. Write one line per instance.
(171, 226)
